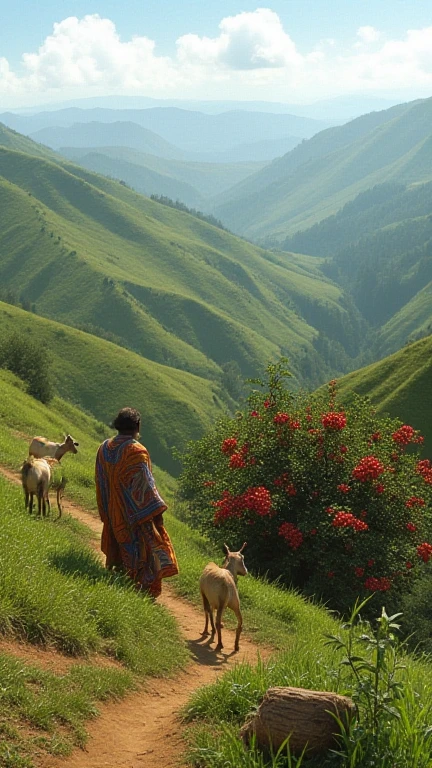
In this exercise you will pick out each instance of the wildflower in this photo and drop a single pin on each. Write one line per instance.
(348, 520)
(229, 445)
(332, 420)
(371, 563)
(237, 461)
(408, 565)
(313, 531)
(404, 435)
(376, 437)
(208, 483)
(330, 574)
(255, 415)
(344, 488)
(377, 584)
(415, 501)
(424, 551)
(291, 534)
(343, 449)
(379, 488)
(411, 527)
(369, 468)
(424, 468)
(281, 418)
(359, 572)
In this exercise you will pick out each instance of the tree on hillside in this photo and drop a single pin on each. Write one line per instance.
(332, 500)
(29, 360)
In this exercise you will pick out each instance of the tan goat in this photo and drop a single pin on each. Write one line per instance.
(36, 478)
(40, 447)
(219, 591)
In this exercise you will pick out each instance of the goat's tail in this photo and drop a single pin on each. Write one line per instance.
(26, 467)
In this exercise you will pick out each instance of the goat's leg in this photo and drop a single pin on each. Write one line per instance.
(207, 613)
(30, 509)
(219, 626)
(26, 498)
(59, 498)
(239, 627)
(48, 504)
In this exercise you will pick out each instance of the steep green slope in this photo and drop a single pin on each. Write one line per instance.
(89, 251)
(22, 417)
(206, 179)
(370, 211)
(13, 140)
(123, 134)
(318, 178)
(102, 378)
(400, 385)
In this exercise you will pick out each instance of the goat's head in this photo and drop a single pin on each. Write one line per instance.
(71, 444)
(234, 561)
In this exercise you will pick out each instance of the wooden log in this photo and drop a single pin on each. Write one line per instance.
(302, 715)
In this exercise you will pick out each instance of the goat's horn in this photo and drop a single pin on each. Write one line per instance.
(241, 550)
(225, 549)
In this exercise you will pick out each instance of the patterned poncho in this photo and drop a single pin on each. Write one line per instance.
(130, 507)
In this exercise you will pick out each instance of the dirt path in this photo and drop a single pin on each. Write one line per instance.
(143, 730)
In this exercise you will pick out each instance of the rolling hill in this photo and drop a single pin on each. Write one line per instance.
(123, 134)
(90, 252)
(101, 377)
(400, 385)
(379, 247)
(192, 183)
(319, 176)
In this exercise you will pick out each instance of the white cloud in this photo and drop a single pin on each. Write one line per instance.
(252, 56)
(368, 34)
(248, 41)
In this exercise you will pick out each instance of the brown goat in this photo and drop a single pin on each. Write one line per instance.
(36, 478)
(219, 591)
(41, 448)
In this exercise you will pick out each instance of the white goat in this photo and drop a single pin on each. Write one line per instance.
(36, 478)
(40, 447)
(219, 591)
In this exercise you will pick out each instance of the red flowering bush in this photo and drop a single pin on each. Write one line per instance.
(333, 500)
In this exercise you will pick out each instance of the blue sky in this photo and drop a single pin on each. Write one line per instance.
(296, 50)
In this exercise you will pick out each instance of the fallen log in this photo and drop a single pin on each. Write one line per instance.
(302, 715)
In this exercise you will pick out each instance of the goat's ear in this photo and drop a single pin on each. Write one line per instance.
(225, 549)
(241, 550)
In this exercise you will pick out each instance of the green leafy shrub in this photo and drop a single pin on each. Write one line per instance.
(332, 501)
(29, 360)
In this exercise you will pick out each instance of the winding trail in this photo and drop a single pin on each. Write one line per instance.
(143, 730)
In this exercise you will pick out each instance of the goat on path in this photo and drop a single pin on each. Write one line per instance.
(36, 478)
(219, 591)
(40, 447)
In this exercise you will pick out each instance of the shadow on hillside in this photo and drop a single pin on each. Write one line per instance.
(203, 653)
(76, 562)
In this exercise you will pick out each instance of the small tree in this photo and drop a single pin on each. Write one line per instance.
(29, 360)
(334, 501)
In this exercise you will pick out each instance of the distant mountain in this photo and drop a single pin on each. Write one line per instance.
(399, 385)
(319, 176)
(226, 137)
(13, 140)
(192, 183)
(108, 134)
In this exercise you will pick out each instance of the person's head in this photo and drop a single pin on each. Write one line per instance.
(127, 422)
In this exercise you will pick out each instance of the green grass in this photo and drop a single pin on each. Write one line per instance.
(400, 385)
(22, 417)
(89, 251)
(319, 176)
(44, 712)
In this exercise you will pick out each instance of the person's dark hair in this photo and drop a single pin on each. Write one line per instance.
(127, 420)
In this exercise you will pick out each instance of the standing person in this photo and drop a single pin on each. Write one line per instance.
(133, 537)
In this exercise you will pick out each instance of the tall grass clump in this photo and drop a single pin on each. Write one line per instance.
(392, 694)
(55, 592)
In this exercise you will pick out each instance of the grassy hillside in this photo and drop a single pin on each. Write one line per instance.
(95, 134)
(89, 251)
(102, 378)
(379, 247)
(13, 140)
(316, 179)
(400, 385)
(142, 171)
